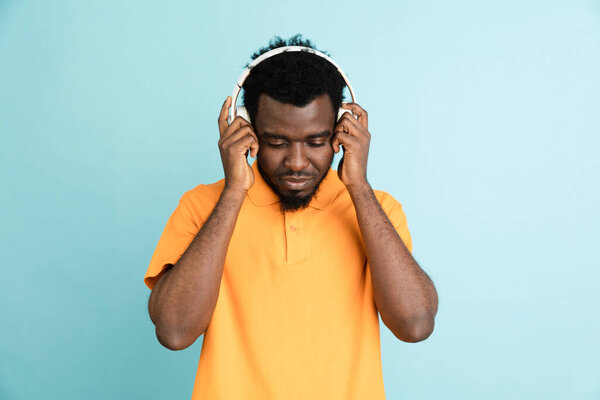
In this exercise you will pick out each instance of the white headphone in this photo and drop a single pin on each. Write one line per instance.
(241, 111)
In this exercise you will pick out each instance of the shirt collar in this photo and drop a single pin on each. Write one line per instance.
(262, 195)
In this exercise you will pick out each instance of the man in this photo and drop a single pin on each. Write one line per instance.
(284, 265)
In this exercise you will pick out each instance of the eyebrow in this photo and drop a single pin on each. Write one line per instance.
(269, 135)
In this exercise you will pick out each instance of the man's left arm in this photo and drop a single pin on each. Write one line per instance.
(403, 293)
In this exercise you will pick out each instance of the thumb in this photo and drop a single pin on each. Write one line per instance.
(335, 143)
(254, 149)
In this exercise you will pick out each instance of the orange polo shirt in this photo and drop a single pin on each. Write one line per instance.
(295, 317)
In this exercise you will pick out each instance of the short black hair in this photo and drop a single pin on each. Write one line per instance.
(292, 77)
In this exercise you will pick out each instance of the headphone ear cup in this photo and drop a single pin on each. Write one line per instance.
(342, 111)
(240, 111)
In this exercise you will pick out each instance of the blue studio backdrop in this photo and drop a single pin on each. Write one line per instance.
(485, 122)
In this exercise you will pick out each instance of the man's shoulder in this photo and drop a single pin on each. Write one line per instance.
(204, 193)
(383, 196)
(387, 202)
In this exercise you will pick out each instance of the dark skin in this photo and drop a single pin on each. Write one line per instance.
(296, 148)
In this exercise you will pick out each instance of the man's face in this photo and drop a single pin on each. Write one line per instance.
(295, 147)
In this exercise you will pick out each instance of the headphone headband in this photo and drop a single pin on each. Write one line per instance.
(274, 52)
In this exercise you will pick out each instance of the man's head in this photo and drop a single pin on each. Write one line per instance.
(292, 101)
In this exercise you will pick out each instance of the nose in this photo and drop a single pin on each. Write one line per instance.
(295, 159)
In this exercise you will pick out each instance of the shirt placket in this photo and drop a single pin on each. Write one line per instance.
(295, 237)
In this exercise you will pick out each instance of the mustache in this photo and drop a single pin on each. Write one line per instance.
(292, 174)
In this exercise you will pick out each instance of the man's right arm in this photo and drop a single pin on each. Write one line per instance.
(184, 297)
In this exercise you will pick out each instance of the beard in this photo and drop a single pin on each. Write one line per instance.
(292, 202)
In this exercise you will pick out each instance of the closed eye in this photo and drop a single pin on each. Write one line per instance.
(276, 144)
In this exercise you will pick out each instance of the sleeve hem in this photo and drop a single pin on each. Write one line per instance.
(151, 278)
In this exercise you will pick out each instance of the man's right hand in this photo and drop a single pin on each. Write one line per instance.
(184, 297)
(236, 141)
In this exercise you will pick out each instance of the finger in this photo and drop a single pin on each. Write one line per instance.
(223, 115)
(246, 144)
(245, 130)
(254, 146)
(361, 113)
(353, 127)
(344, 140)
(339, 133)
(335, 143)
(236, 124)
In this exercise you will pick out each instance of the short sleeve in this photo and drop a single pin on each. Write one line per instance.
(394, 212)
(179, 232)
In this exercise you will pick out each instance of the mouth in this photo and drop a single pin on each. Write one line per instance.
(296, 182)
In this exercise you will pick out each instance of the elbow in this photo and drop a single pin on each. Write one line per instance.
(174, 340)
(418, 333)
(413, 331)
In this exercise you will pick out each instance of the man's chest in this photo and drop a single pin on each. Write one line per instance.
(307, 239)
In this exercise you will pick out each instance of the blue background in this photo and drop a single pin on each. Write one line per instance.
(485, 122)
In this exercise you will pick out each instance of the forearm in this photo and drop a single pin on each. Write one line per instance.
(183, 300)
(403, 293)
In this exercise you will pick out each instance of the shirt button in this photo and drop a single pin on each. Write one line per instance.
(293, 228)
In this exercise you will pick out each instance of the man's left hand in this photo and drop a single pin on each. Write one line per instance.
(353, 135)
